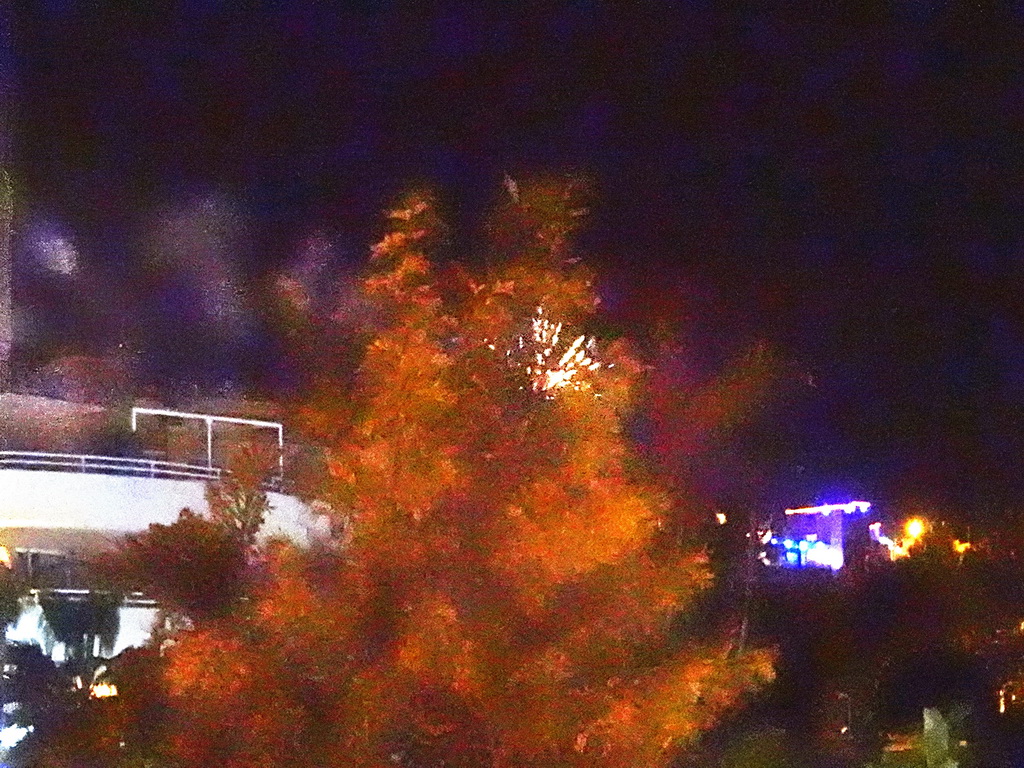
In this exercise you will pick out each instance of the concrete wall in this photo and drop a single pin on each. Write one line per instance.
(72, 504)
(62, 500)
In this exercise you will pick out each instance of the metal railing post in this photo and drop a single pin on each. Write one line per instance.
(209, 442)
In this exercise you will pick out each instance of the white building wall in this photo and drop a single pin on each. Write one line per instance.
(112, 505)
(120, 504)
(70, 501)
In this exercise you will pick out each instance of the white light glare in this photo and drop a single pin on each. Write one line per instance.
(826, 509)
(825, 555)
(12, 734)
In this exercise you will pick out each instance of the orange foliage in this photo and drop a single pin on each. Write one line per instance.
(229, 707)
(508, 593)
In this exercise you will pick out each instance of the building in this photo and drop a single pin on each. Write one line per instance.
(77, 474)
(815, 537)
(62, 501)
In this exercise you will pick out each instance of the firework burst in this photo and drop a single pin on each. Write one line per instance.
(549, 363)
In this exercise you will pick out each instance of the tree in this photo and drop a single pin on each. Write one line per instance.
(238, 499)
(194, 566)
(510, 591)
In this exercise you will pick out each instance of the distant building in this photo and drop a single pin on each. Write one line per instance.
(814, 537)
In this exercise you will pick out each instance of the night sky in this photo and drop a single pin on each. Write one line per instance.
(843, 188)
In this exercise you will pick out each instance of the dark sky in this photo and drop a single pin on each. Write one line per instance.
(845, 187)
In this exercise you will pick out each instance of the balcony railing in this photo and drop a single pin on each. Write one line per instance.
(107, 465)
(121, 466)
(128, 600)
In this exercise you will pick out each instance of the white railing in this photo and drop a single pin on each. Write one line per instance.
(209, 420)
(128, 600)
(119, 465)
(106, 465)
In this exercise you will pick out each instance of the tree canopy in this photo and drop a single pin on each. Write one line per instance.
(510, 591)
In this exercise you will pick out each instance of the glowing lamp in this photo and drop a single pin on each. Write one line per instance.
(915, 528)
(102, 690)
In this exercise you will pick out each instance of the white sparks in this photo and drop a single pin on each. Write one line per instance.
(549, 369)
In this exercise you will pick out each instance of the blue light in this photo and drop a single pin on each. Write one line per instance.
(791, 557)
(788, 543)
(803, 546)
(775, 540)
